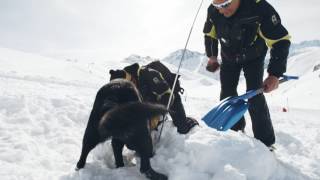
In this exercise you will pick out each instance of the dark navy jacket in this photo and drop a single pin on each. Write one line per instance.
(246, 35)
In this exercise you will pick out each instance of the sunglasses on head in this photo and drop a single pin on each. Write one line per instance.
(222, 5)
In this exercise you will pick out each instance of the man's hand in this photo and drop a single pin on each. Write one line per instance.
(212, 65)
(270, 84)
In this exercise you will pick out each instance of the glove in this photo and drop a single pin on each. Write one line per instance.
(213, 64)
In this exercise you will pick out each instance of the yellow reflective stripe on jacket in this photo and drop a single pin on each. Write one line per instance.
(255, 38)
(257, 1)
(212, 33)
(270, 42)
(161, 76)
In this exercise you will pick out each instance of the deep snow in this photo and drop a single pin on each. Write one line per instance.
(45, 104)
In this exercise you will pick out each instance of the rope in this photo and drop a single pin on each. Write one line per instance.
(180, 63)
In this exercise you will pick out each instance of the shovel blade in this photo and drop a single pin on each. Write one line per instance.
(224, 116)
(211, 115)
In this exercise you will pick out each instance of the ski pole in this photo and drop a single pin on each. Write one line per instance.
(180, 63)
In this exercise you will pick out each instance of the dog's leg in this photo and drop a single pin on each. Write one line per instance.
(91, 136)
(117, 146)
(145, 149)
(90, 140)
(150, 173)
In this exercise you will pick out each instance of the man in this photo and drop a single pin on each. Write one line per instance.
(155, 81)
(245, 29)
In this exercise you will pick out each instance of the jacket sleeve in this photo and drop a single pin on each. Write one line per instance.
(276, 37)
(210, 37)
(158, 86)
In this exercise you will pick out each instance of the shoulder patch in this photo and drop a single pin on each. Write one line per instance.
(274, 19)
(156, 80)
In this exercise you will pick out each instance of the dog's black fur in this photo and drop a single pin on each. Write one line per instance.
(119, 114)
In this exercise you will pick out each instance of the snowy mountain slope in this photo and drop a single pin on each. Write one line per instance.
(195, 61)
(138, 59)
(26, 66)
(191, 59)
(172, 62)
(304, 92)
(45, 104)
(296, 47)
(305, 62)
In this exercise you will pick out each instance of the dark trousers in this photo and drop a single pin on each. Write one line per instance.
(258, 108)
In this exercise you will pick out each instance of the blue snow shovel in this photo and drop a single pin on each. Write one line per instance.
(231, 109)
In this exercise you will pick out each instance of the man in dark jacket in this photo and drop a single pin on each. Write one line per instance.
(245, 29)
(156, 87)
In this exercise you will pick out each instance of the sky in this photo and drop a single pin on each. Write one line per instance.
(115, 29)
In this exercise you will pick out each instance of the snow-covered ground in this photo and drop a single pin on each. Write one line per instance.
(45, 104)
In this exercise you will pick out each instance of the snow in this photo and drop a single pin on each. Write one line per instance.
(45, 104)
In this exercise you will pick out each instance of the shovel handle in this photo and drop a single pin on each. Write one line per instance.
(255, 92)
(251, 93)
(287, 78)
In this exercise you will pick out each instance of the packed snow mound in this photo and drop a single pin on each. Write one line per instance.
(46, 131)
(202, 154)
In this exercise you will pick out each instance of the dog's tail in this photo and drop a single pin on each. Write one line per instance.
(128, 115)
(145, 110)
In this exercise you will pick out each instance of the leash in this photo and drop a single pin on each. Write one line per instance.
(180, 63)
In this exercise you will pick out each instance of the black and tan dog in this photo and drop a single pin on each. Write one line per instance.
(118, 114)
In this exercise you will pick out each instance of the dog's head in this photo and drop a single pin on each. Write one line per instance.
(132, 69)
(115, 74)
(126, 73)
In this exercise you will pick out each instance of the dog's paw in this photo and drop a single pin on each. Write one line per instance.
(80, 165)
(119, 165)
(153, 175)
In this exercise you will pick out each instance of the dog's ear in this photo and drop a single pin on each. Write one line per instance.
(114, 74)
(132, 69)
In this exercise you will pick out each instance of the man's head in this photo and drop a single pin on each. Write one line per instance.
(226, 7)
